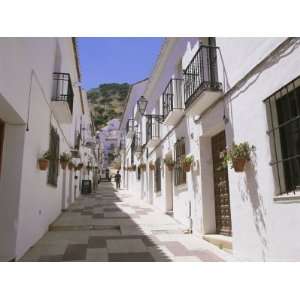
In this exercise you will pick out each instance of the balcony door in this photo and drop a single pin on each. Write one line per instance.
(1, 143)
(221, 186)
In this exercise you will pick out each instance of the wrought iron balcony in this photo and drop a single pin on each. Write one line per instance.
(130, 128)
(62, 99)
(153, 130)
(201, 85)
(172, 102)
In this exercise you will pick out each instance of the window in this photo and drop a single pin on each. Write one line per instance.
(53, 163)
(283, 112)
(158, 175)
(180, 175)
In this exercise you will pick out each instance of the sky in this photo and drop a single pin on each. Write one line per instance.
(107, 60)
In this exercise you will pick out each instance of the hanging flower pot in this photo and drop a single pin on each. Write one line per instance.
(186, 163)
(44, 161)
(43, 164)
(63, 164)
(239, 164)
(70, 166)
(237, 156)
(143, 167)
(79, 166)
(64, 159)
(151, 166)
(169, 162)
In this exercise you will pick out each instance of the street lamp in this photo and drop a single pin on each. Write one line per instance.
(142, 104)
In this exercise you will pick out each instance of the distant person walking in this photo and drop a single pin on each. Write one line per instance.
(118, 179)
(107, 174)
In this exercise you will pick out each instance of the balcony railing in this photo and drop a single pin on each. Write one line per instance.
(201, 74)
(172, 97)
(62, 89)
(152, 129)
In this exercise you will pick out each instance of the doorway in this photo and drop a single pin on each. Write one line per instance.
(221, 186)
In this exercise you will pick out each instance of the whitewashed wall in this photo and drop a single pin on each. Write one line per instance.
(263, 229)
(34, 203)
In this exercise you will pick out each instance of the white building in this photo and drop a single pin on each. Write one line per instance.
(41, 108)
(109, 137)
(205, 94)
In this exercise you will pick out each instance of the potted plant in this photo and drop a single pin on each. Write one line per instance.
(237, 155)
(64, 159)
(186, 163)
(70, 165)
(143, 167)
(79, 166)
(169, 162)
(44, 161)
(151, 166)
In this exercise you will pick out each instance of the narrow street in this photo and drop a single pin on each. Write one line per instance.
(112, 225)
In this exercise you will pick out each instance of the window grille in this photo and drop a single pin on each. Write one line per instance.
(283, 114)
(158, 175)
(180, 174)
(54, 161)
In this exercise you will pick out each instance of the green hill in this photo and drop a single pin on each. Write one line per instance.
(107, 102)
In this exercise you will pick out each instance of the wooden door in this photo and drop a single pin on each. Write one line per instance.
(1, 142)
(221, 186)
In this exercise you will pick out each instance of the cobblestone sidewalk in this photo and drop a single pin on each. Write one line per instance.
(114, 226)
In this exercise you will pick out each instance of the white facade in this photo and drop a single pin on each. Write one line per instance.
(109, 137)
(27, 203)
(264, 222)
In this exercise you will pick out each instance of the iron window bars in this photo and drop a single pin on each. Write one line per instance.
(179, 174)
(172, 96)
(201, 74)
(62, 89)
(283, 113)
(54, 161)
(152, 127)
(157, 175)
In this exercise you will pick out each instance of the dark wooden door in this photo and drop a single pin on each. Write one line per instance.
(221, 186)
(1, 142)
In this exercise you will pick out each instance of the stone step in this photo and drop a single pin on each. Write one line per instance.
(221, 241)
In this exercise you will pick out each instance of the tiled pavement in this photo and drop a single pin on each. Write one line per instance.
(115, 226)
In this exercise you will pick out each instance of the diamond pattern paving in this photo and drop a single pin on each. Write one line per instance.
(114, 226)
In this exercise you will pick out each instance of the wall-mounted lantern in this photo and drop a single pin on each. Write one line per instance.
(142, 104)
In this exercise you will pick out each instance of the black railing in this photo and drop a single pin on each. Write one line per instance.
(62, 89)
(152, 127)
(172, 96)
(201, 74)
(130, 125)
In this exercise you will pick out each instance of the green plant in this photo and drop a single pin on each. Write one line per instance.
(47, 155)
(169, 161)
(236, 152)
(64, 157)
(188, 159)
(142, 166)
